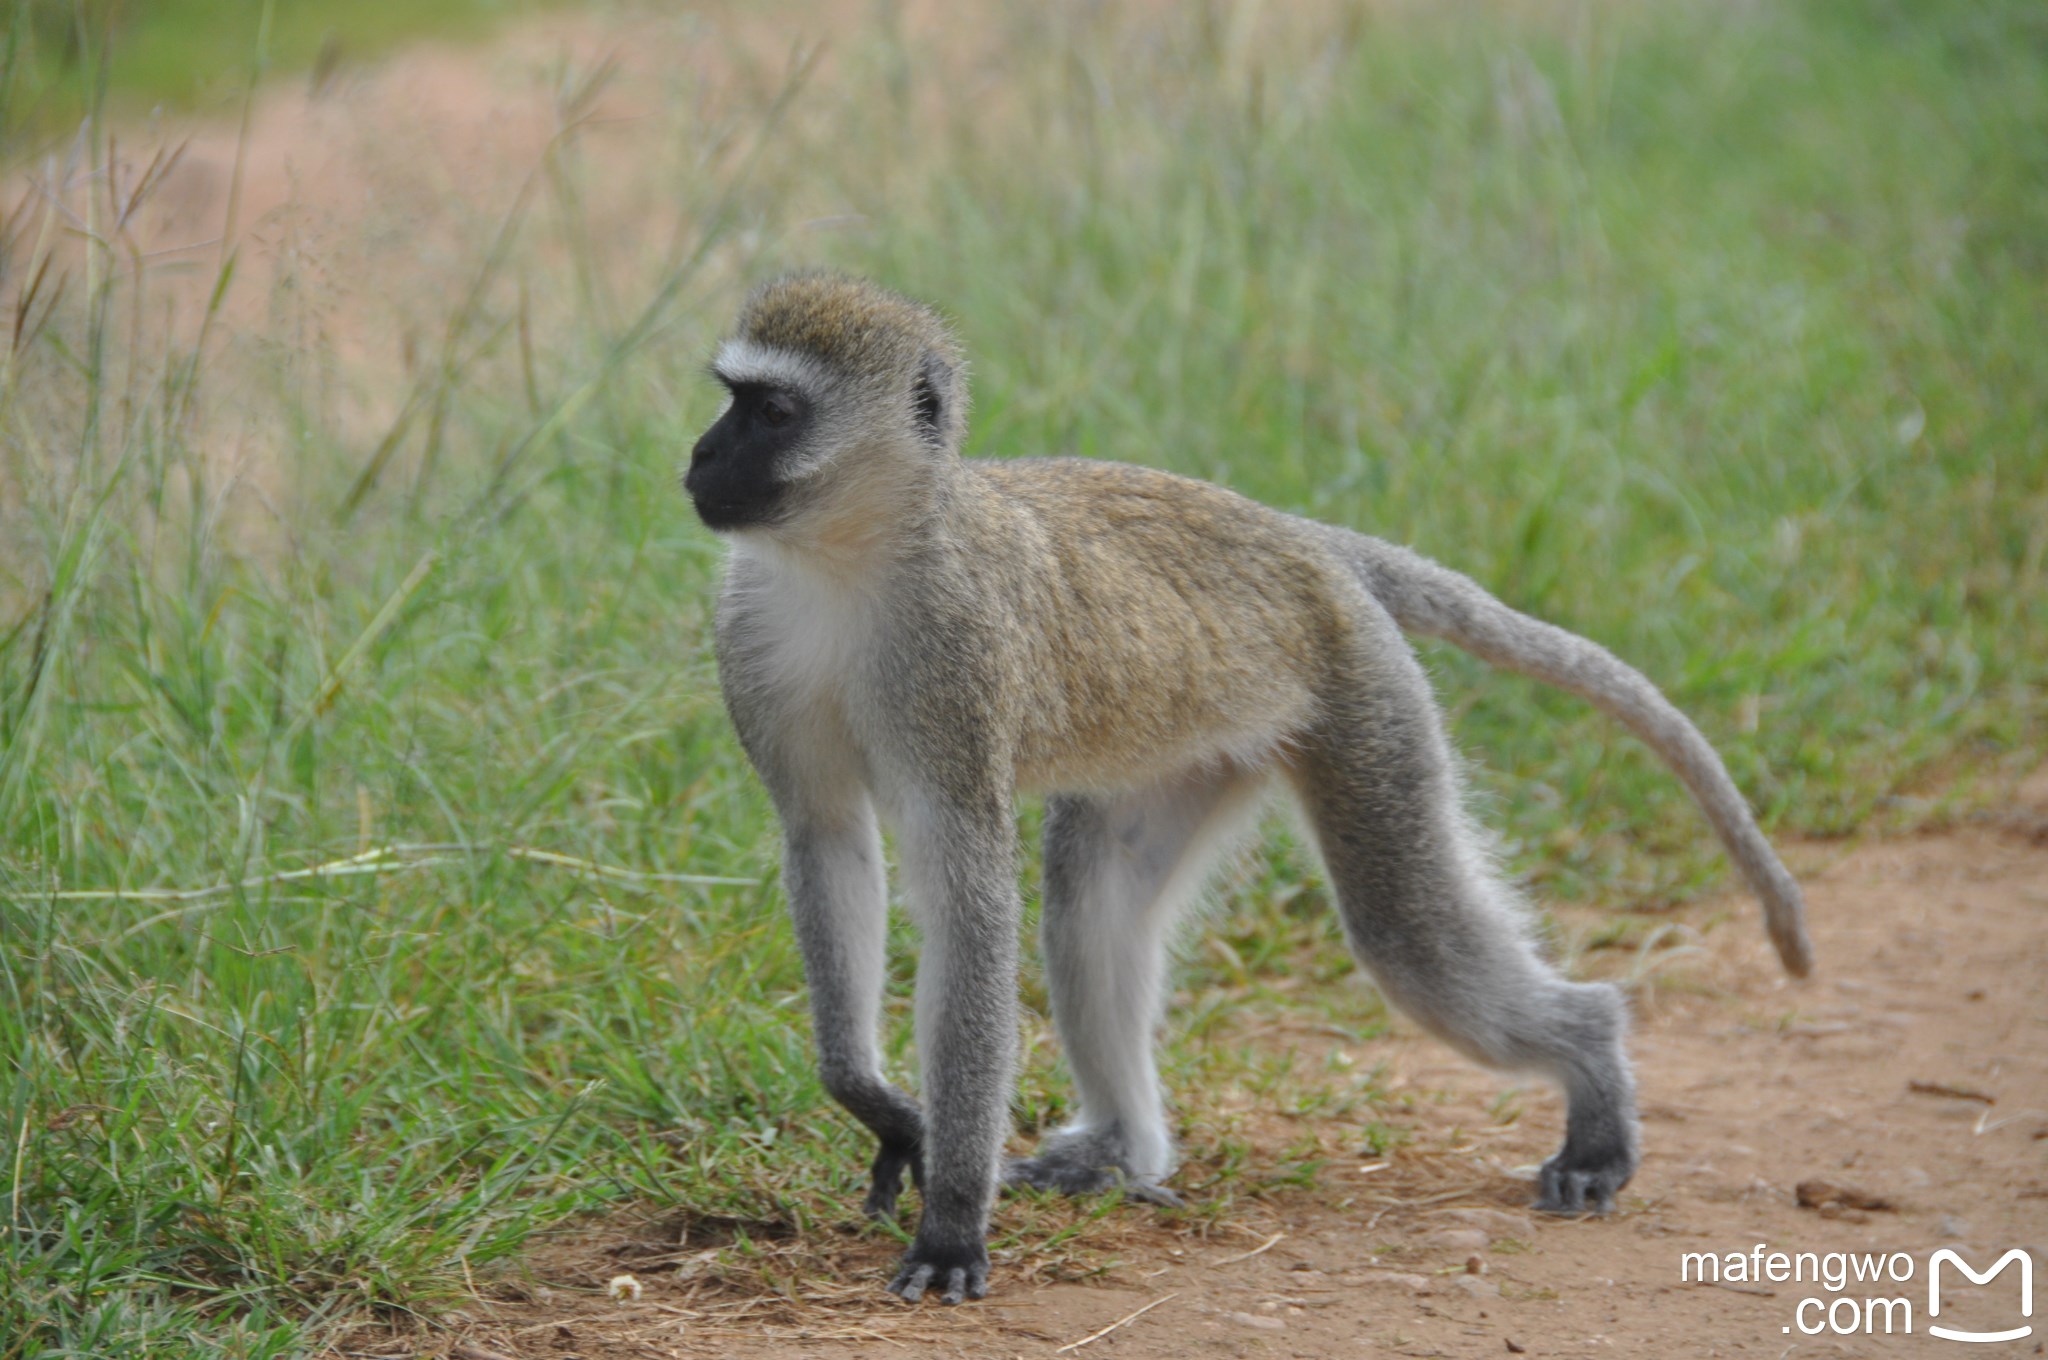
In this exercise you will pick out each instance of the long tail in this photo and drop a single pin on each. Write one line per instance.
(1437, 602)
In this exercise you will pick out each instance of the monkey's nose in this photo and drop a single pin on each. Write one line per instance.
(701, 457)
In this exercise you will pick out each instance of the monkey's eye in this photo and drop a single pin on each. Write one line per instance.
(777, 410)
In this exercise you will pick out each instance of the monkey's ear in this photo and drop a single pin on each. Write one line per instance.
(932, 397)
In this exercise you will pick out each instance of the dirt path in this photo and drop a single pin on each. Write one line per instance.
(1913, 1070)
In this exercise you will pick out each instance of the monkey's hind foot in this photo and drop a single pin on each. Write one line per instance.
(1601, 1142)
(1584, 1179)
(1051, 1172)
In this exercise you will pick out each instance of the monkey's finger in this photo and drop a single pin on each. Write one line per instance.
(956, 1285)
(910, 1284)
(883, 1193)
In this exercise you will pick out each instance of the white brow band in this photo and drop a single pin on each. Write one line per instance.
(744, 361)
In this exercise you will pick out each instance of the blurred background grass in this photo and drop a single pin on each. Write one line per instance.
(64, 57)
(1712, 332)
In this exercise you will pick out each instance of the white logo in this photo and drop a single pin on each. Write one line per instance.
(1934, 1293)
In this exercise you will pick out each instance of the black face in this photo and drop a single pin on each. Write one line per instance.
(738, 469)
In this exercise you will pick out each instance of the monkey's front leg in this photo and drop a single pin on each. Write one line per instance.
(961, 886)
(837, 885)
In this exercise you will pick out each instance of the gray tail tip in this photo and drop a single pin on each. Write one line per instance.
(1786, 918)
(1796, 953)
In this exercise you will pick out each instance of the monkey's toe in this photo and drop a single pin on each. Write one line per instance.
(1151, 1192)
(910, 1282)
(962, 1285)
(1564, 1189)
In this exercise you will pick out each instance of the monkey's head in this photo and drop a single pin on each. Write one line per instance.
(839, 389)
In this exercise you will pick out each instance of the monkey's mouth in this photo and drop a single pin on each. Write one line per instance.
(719, 514)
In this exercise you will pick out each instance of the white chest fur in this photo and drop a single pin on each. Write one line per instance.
(809, 624)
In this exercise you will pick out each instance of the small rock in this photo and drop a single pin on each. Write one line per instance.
(1957, 1229)
(1394, 1279)
(1475, 1265)
(1515, 1347)
(1458, 1239)
(1496, 1221)
(1264, 1324)
(1818, 1194)
(1472, 1286)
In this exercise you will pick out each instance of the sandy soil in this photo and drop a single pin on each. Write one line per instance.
(1910, 1075)
(360, 205)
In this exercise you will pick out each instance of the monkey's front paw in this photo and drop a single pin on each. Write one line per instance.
(958, 1272)
(885, 1178)
(1575, 1185)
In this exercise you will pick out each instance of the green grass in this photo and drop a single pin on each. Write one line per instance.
(1716, 334)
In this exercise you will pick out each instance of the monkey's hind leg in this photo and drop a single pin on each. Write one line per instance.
(1442, 934)
(1118, 869)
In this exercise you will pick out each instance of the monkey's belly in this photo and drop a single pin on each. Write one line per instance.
(1136, 736)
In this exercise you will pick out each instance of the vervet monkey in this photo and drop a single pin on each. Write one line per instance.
(911, 637)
